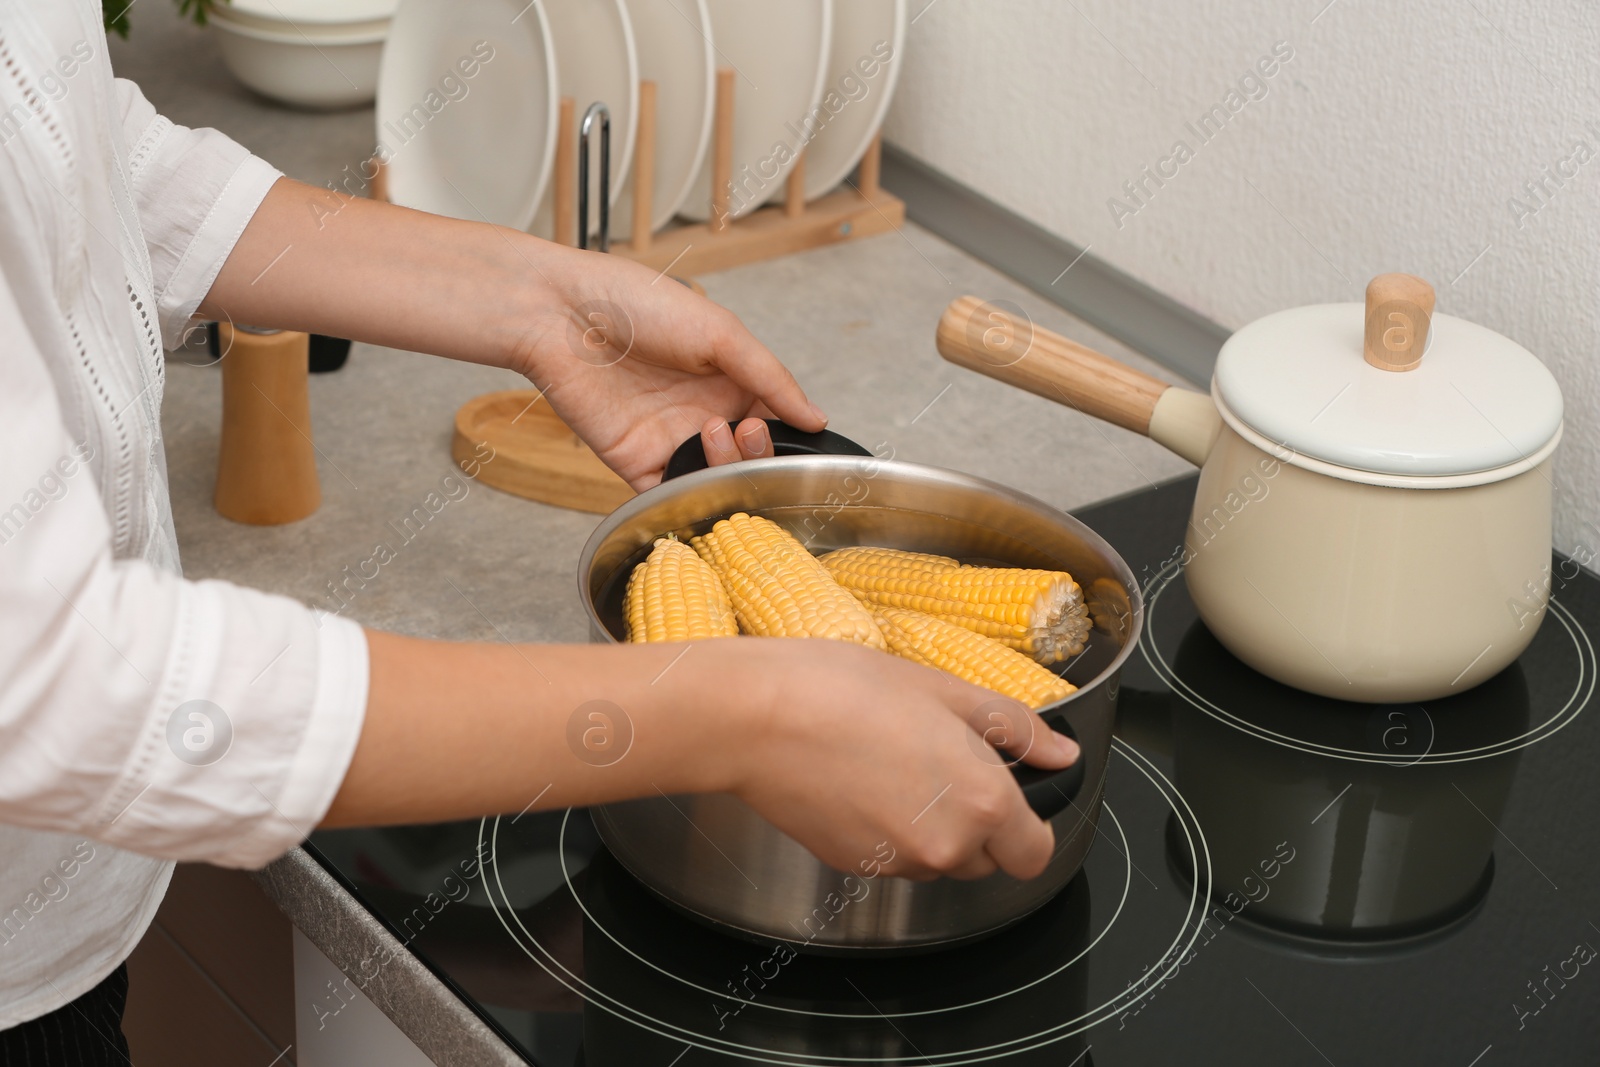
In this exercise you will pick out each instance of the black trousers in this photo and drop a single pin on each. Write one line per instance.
(87, 1031)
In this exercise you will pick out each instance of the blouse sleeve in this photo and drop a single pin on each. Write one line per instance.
(194, 190)
(179, 719)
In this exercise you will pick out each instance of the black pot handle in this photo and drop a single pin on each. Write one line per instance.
(1051, 792)
(786, 441)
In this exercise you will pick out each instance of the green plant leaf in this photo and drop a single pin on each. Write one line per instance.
(114, 13)
(196, 9)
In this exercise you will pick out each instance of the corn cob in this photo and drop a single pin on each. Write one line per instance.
(675, 596)
(970, 656)
(1038, 612)
(778, 589)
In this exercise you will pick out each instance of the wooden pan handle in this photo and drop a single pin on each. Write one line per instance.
(1399, 314)
(982, 337)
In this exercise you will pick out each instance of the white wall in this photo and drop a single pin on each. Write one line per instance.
(1395, 139)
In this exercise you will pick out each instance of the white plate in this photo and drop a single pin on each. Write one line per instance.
(779, 52)
(856, 92)
(674, 42)
(480, 147)
(595, 60)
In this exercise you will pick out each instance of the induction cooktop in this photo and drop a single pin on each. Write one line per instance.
(1278, 879)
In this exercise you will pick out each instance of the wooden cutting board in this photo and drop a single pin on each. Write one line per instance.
(535, 454)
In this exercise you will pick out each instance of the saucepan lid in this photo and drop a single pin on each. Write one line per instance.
(1390, 388)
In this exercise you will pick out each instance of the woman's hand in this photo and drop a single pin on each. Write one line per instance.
(875, 764)
(632, 360)
(861, 756)
(636, 362)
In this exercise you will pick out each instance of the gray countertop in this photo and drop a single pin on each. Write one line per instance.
(855, 322)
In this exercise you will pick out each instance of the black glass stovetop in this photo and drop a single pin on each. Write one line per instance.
(1278, 879)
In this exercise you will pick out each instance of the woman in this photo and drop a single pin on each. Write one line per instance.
(116, 227)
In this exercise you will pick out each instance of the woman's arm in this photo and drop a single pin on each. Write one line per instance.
(633, 361)
(841, 746)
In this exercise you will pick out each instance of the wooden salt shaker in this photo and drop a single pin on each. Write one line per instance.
(266, 467)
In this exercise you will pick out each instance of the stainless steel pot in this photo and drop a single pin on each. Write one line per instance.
(712, 856)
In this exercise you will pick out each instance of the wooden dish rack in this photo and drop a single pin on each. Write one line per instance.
(862, 209)
(847, 213)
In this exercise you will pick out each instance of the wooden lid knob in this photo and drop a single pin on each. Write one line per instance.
(1399, 310)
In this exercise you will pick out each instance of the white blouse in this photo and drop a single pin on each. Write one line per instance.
(113, 224)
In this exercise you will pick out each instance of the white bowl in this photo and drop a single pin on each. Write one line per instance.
(311, 16)
(315, 30)
(316, 71)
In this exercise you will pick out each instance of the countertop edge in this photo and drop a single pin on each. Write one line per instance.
(412, 997)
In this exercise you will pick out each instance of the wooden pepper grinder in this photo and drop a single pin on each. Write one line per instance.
(266, 467)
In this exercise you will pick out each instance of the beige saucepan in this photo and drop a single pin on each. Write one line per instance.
(1372, 520)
